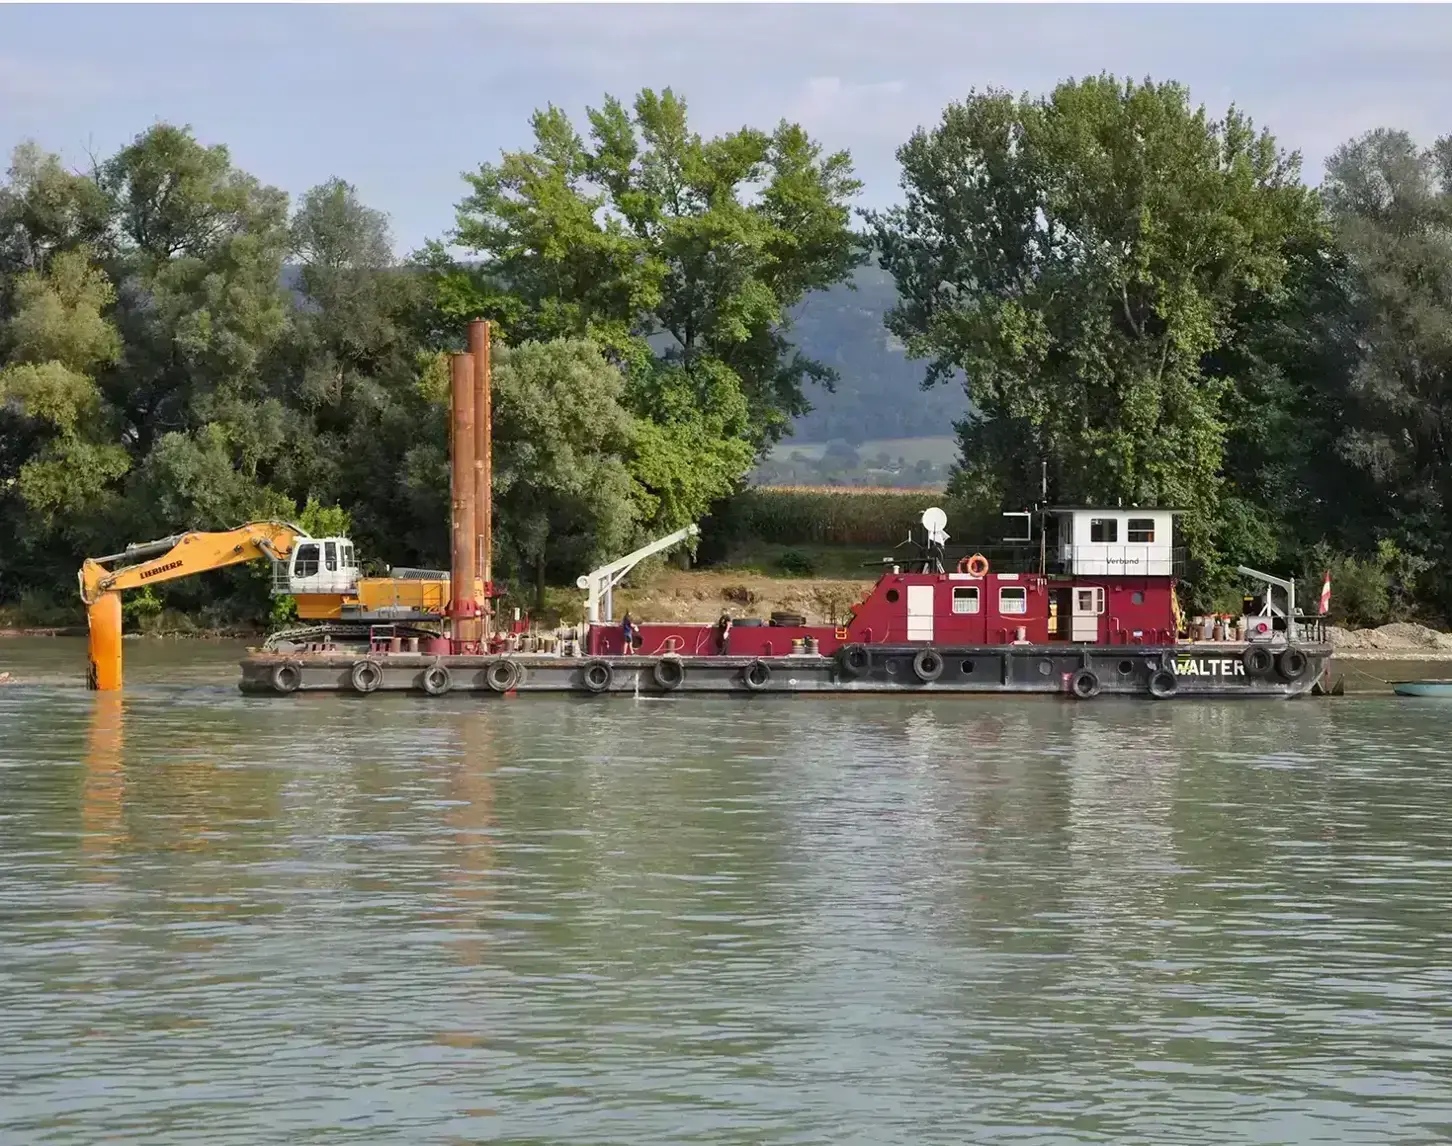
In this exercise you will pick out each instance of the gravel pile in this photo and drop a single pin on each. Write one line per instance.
(1398, 635)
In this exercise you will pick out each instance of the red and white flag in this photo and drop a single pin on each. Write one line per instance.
(1326, 594)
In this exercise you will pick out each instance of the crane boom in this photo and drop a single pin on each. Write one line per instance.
(186, 554)
(598, 583)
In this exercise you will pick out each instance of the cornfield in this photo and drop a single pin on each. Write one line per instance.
(828, 515)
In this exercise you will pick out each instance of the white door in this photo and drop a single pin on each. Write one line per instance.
(920, 613)
(1088, 606)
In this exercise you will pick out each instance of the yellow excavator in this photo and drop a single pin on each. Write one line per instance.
(320, 573)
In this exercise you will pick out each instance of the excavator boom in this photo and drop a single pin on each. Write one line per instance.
(186, 554)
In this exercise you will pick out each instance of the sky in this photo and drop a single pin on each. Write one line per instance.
(400, 100)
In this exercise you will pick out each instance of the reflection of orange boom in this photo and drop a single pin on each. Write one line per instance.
(321, 573)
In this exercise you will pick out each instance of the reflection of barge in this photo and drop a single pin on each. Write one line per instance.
(1086, 607)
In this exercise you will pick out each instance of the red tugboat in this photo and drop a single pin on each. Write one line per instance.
(1083, 606)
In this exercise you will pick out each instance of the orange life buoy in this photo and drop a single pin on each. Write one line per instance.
(975, 566)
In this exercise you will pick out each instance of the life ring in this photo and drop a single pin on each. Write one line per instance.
(502, 675)
(975, 566)
(436, 680)
(1084, 684)
(286, 677)
(596, 676)
(1257, 661)
(668, 672)
(928, 665)
(366, 676)
(756, 675)
(1163, 684)
(854, 660)
(1292, 664)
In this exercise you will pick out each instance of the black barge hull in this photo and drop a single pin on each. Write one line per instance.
(1220, 670)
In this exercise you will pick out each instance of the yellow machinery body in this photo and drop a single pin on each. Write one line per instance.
(319, 573)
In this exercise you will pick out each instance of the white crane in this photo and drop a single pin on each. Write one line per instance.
(600, 583)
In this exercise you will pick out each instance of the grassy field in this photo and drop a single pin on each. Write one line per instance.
(939, 451)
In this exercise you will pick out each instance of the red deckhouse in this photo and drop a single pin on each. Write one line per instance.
(1098, 577)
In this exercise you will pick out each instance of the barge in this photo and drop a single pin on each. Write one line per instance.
(1083, 605)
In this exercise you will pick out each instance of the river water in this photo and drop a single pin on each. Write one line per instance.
(768, 920)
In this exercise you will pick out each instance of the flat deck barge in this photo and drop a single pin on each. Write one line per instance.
(1083, 672)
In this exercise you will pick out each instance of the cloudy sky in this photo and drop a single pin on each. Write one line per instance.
(400, 99)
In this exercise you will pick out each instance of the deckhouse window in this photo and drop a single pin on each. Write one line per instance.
(965, 599)
(1104, 530)
(330, 550)
(307, 561)
(1141, 531)
(1012, 599)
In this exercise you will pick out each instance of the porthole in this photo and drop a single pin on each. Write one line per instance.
(1137, 597)
(967, 667)
(1045, 668)
(1126, 668)
(892, 668)
(892, 596)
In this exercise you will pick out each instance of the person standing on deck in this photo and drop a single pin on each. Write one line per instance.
(627, 634)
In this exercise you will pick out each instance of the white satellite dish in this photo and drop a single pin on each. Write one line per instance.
(934, 519)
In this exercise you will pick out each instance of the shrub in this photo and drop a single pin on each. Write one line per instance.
(795, 563)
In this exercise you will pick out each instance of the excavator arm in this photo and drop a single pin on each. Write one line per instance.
(186, 554)
(170, 558)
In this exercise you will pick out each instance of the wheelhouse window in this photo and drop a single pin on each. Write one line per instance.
(1104, 530)
(330, 550)
(348, 557)
(965, 599)
(1141, 531)
(306, 564)
(1012, 599)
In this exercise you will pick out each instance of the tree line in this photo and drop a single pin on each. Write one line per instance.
(1149, 299)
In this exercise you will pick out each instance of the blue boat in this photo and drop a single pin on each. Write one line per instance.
(1440, 688)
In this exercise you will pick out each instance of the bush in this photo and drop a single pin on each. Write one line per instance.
(795, 563)
(1365, 591)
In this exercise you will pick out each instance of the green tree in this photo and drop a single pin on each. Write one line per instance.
(1077, 256)
(680, 257)
(1390, 202)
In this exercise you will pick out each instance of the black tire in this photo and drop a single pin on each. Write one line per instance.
(502, 676)
(596, 675)
(668, 672)
(854, 660)
(1084, 684)
(1163, 684)
(286, 677)
(747, 623)
(789, 620)
(366, 676)
(1258, 661)
(437, 680)
(928, 665)
(1292, 664)
(756, 676)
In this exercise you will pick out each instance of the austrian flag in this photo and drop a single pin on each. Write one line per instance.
(1326, 594)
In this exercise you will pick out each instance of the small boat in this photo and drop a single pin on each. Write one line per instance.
(1441, 688)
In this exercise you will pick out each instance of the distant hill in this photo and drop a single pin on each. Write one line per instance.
(879, 393)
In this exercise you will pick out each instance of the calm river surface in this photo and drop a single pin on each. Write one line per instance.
(387, 919)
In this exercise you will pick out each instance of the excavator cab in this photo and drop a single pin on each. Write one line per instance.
(319, 565)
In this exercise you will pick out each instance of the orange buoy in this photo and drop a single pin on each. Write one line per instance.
(975, 566)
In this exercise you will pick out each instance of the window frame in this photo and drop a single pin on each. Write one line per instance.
(971, 596)
(1098, 526)
(316, 558)
(1021, 598)
(1140, 536)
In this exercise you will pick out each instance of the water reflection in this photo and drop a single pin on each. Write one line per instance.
(400, 919)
